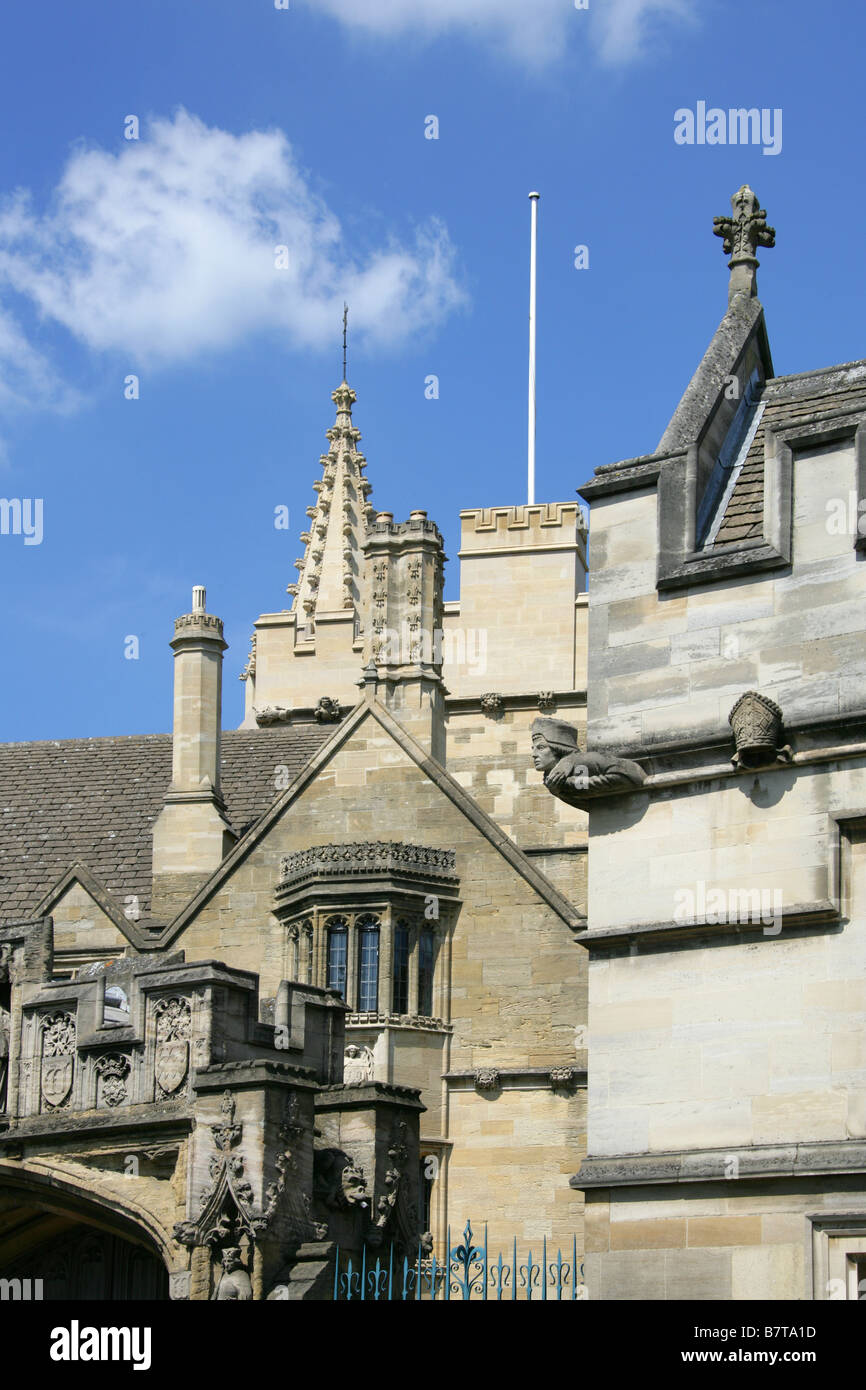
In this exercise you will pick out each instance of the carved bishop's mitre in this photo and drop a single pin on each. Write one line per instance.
(757, 725)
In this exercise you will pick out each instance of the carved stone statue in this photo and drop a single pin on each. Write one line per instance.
(575, 775)
(357, 1065)
(234, 1280)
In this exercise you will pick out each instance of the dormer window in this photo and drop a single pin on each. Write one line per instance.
(714, 504)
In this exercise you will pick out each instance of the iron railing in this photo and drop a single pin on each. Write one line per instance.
(469, 1273)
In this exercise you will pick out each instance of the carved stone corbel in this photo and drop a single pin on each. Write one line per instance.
(574, 775)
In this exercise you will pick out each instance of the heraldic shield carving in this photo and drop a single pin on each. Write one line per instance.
(171, 1059)
(58, 1058)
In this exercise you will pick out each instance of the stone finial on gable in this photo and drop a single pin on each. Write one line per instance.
(743, 232)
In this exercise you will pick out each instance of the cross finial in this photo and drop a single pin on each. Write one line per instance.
(345, 335)
(743, 232)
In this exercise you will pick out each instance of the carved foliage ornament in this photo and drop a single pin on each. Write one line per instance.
(746, 229)
(227, 1204)
(492, 702)
(395, 1206)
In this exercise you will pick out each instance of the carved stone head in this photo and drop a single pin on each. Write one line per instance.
(551, 740)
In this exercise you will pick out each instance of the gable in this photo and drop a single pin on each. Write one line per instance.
(372, 781)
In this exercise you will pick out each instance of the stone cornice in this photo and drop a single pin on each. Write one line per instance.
(672, 763)
(732, 1164)
(412, 1023)
(471, 704)
(148, 1120)
(376, 857)
(797, 918)
(563, 1078)
(354, 1096)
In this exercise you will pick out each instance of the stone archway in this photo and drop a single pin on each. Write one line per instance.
(74, 1251)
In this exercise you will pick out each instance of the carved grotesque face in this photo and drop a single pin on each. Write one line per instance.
(543, 756)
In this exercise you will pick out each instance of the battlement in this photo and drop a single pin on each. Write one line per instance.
(543, 525)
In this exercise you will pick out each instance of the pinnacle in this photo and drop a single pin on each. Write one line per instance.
(330, 570)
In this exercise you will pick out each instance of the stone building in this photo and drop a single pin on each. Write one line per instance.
(328, 978)
(312, 981)
(726, 915)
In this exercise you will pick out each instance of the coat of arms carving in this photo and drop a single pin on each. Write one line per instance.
(171, 1056)
(58, 1058)
(113, 1071)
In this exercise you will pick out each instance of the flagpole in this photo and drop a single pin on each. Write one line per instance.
(533, 258)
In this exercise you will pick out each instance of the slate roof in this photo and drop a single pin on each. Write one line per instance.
(788, 400)
(94, 801)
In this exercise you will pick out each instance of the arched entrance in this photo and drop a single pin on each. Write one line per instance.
(75, 1256)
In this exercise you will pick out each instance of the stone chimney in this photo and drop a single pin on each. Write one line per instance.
(403, 625)
(191, 835)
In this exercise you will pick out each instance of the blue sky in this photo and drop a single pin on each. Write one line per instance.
(305, 127)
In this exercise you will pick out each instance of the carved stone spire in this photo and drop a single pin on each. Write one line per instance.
(743, 233)
(331, 568)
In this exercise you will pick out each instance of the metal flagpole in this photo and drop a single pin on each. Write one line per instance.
(533, 256)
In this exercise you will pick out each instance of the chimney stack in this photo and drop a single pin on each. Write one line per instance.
(191, 835)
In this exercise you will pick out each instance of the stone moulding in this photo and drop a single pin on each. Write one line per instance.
(367, 857)
(391, 1020)
(822, 915)
(715, 1165)
(562, 1080)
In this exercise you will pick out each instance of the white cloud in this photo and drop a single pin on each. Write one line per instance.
(535, 32)
(166, 249)
(26, 375)
(623, 30)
